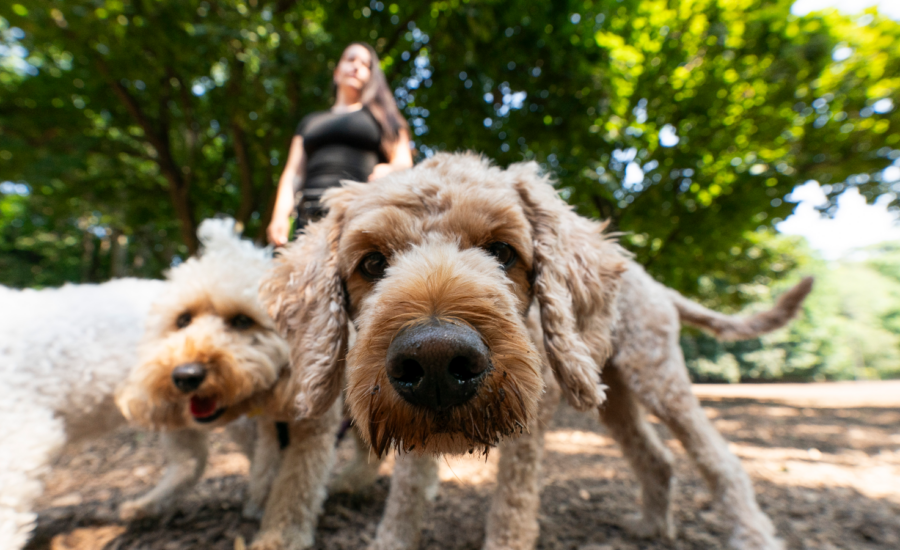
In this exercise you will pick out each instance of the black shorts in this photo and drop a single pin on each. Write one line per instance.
(308, 211)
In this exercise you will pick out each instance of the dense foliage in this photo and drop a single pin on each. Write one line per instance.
(849, 328)
(686, 123)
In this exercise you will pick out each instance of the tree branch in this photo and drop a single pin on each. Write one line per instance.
(606, 210)
(241, 152)
(159, 139)
(401, 29)
(192, 138)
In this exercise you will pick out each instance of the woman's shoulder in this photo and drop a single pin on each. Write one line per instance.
(370, 118)
(307, 120)
(358, 118)
(367, 111)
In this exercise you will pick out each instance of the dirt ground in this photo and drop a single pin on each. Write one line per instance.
(825, 460)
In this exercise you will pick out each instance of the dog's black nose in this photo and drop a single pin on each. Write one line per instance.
(189, 376)
(437, 365)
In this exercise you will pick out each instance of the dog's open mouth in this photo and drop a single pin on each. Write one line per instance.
(204, 409)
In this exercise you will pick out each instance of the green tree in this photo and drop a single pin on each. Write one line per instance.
(136, 118)
(848, 328)
(753, 96)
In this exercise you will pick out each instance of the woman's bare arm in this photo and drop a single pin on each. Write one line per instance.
(399, 158)
(284, 201)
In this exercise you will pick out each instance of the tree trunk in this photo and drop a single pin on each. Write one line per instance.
(118, 255)
(242, 155)
(184, 210)
(88, 257)
(159, 139)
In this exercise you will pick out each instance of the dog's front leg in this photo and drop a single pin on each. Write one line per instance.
(298, 491)
(512, 521)
(186, 453)
(401, 525)
(360, 473)
(264, 466)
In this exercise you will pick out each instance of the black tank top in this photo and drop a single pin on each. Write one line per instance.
(339, 146)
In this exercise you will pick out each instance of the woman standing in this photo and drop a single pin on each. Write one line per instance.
(361, 138)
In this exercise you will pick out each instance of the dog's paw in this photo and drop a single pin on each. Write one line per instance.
(644, 527)
(382, 544)
(133, 510)
(433, 489)
(289, 539)
(356, 478)
(268, 540)
(252, 510)
(755, 537)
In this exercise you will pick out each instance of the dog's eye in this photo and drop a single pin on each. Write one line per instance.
(372, 266)
(241, 322)
(183, 320)
(504, 254)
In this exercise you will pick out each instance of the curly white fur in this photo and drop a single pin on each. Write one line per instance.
(62, 353)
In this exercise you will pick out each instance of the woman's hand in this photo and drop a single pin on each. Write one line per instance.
(399, 158)
(278, 230)
(382, 170)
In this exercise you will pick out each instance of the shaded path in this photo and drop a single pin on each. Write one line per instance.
(825, 459)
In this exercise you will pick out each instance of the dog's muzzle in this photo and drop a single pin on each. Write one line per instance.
(438, 365)
(188, 377)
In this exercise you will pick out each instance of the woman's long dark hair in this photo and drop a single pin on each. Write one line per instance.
(376, 95)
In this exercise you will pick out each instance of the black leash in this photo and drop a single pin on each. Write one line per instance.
(284, 436)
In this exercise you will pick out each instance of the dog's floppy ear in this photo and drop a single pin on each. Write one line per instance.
(304, 295)
(576, 280)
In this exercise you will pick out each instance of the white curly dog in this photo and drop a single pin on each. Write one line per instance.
(64, 352)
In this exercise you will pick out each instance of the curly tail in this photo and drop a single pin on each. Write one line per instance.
(729, 327)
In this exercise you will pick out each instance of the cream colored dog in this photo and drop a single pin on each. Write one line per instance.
(211, 354)
(438, 268)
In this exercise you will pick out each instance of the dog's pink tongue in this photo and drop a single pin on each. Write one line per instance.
(202, 407)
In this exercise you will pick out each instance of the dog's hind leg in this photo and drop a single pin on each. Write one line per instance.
(298, 491)
(651, 461)
(401, 524)
(650, 362)
(264, 465)
(30, 439)
(513, 518)
(668, 395)
(186, 453)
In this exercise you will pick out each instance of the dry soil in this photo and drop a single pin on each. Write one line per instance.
(825, 460)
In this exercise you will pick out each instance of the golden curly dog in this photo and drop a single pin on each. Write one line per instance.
(210, 354)
(438, 267)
